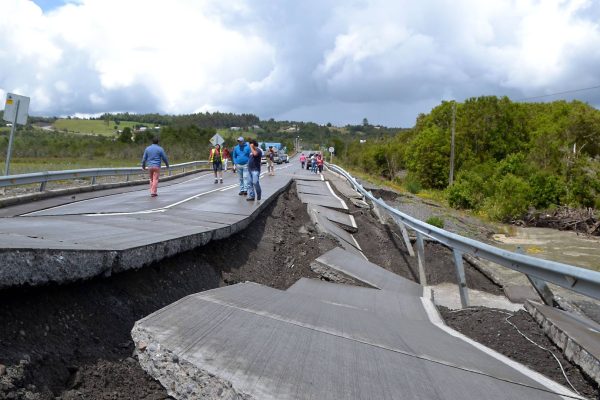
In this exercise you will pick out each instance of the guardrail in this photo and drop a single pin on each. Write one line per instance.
(44, 177)
(539, 271)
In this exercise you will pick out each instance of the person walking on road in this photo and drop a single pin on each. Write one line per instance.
(313, 164)
(241, 156)
(226, 157)
(271, 161)
(154, 155)
(320, 163)
(254, 171)
(302, 160)
(216, 158)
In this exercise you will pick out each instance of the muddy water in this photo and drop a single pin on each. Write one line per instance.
(563, 246)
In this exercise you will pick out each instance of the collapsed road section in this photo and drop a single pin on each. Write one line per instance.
(81, 239)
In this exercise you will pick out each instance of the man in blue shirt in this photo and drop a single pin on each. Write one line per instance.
(153, 156)
(254, 171)
(240, 156)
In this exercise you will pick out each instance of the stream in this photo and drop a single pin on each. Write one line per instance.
(563, 246)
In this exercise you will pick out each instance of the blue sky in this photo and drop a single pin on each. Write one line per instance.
(48, 5)
(314, 60)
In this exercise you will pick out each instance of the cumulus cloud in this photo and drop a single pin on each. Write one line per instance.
(326, 61)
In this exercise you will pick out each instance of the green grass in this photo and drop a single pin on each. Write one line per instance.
(29, 165)
(94, 127)
(227, 133)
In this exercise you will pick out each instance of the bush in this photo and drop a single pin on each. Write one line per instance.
(435, 221)
(468, 191)
(547, 190)
(511, 198)
(413, 186)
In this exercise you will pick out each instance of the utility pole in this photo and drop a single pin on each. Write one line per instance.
(451, 178)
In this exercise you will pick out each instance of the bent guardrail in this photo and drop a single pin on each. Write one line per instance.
(44, 177)
(538, 270)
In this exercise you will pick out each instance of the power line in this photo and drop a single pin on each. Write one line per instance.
(557, 93)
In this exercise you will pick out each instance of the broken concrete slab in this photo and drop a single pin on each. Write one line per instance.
(324, 201)
(448, 295)
(342, 185)
(346, 220)
(577, 336)
(371, 274)
(108, 234)
(324, 225)
(250, 341)
(383, 302)
(520, 293)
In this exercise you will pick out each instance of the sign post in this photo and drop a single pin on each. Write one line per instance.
(331, 151)
(15, 112)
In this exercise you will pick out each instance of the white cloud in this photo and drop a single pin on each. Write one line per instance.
(317, 59)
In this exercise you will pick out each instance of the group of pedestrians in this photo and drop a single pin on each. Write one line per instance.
(246, 158)
(314, 163)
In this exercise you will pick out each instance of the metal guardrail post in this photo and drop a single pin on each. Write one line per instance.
(127, 178)
(93, 180)
(405, 237)
(421, 259)
(43, 186)
(461, 278)
(540, 286)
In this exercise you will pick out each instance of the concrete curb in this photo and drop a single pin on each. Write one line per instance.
(30, 197)
(571, 349)
(39, 267)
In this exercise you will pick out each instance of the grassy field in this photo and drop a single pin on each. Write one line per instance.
(95, 127)
(226, 133)
(28, 165)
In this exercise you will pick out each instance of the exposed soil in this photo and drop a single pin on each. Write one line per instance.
(73, 341)
(384, 246)
(489, 327)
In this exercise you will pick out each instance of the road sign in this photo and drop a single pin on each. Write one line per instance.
(16, 108)
(331, 150)
(15, 111)
(217, 140)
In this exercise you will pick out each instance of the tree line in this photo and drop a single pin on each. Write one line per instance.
(510, 157)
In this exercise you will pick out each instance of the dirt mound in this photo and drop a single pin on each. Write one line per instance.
(489, 327)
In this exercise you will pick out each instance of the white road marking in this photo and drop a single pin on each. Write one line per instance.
(344, 206)
(353, 221)
(95, 198)
(193, 197)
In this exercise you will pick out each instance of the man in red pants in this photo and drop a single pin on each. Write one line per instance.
(153, 156)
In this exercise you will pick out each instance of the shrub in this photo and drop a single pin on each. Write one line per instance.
(511, 198)
(468, 191)
(413, 186)
(435, 221)
(546, 190)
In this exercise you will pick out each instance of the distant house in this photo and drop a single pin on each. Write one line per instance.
(142, 129)
(235, 128)
(363, 141)
(156, 128)
(377, 127)
(291, 129)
